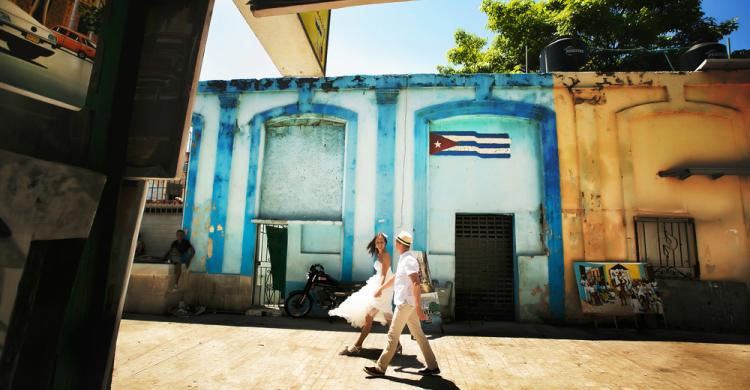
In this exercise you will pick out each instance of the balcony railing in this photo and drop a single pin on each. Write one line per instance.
(164, 195)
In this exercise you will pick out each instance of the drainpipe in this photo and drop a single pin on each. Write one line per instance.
(527, 57)
(729, 48)
(73, 14)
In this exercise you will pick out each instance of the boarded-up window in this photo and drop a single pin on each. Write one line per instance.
(303, 170)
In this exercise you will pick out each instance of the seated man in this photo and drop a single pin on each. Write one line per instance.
(180, 253)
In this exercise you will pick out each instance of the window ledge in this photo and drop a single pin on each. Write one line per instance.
(294, 222)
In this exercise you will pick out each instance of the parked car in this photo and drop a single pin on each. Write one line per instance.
(25, 36)
(75, 42)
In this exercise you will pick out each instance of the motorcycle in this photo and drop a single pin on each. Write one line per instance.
(328, 291)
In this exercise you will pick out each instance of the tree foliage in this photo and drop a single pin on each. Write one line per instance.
(89, 18)
(611, 28)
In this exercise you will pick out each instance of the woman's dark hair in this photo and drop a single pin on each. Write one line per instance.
(371, 246)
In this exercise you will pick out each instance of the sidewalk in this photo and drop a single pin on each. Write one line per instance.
(282, 353)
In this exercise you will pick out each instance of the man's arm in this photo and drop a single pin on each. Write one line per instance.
(190, 255)
(417, 291)
(388, 283)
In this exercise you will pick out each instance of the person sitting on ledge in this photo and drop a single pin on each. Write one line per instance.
(180, 253)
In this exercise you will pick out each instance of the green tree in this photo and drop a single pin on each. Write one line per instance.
(611, 28)
(90, 18)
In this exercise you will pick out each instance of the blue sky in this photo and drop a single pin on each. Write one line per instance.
(407, 37)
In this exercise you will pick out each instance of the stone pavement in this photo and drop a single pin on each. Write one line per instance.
(281, 353)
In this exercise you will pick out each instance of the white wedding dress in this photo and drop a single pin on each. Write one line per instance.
(355, 308)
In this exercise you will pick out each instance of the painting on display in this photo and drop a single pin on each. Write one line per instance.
(616, 289)
(429, 297)
(47, 48)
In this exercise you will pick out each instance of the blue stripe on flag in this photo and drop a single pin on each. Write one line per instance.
(481, 145)
(471, 134)
(471, 153)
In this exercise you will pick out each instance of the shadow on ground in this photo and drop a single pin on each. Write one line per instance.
(408, 364)
(466, 328)
(424, 382)
(10, 53)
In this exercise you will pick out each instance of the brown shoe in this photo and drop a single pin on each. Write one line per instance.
(429, 371)
(373, 371)
(351, 351)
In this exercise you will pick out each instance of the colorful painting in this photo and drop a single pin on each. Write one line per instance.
(616, 289)
(47, 48)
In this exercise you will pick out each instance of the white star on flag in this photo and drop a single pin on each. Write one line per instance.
(438, 144)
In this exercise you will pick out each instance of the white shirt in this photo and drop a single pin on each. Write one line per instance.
(403, 291)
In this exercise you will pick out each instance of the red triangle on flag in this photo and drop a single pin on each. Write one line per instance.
(438, 143)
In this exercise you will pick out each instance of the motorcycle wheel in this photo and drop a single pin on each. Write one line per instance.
(298, 304)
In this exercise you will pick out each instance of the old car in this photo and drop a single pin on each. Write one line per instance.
(75, 42)
(26, 37)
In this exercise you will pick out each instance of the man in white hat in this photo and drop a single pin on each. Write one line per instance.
(406, 294)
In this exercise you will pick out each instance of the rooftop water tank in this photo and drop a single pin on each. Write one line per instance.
(694, 57)
(566, 54)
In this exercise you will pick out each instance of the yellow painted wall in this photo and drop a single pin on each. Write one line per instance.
(617, 131)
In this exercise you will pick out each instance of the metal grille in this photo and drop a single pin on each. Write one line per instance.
(484, 267)
(668, 246)
(263, 292)
(165, 191)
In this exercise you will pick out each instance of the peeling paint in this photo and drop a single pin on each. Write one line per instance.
(607, 155)
(589, 96)
(619, 129)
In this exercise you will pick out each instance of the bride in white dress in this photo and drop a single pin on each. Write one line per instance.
(362, 307)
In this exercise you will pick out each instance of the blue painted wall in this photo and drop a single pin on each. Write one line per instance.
(390, 183)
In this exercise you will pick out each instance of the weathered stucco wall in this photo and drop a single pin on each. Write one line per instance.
(617, 131)
(390, 182)
(585, 156)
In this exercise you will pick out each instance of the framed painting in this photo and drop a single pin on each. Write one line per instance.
(617, 289)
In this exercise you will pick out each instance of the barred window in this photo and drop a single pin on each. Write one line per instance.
(668, 245)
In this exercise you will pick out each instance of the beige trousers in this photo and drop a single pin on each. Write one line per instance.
(406, 314)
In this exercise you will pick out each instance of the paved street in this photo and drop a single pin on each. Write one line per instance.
(62, 77)
(274, 353)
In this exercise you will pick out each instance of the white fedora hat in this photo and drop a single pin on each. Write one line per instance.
(404, 238)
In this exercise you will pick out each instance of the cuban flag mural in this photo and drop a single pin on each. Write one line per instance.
(469, 143)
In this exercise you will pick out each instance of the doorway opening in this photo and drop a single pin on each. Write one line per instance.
(485, 274)
(270, 265)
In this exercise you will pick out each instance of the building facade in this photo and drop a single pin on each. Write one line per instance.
(504, 180)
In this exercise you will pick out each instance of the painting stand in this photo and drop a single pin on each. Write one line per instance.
(597, 317)
(638, 318)
(642, 316)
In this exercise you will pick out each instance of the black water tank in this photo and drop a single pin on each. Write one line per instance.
(694, 57)
(564, 54)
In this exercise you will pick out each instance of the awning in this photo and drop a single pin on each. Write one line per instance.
(713, 173)
(262, 8)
